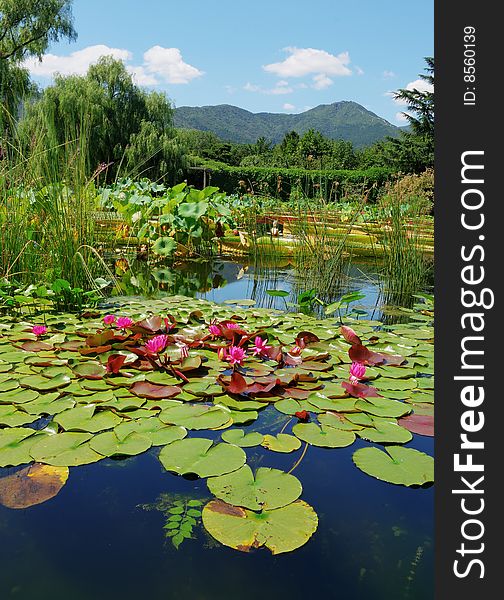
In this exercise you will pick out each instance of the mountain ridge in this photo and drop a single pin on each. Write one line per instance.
(346, 120)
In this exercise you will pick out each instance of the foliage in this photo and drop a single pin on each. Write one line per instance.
(125, 126)
(414, 192)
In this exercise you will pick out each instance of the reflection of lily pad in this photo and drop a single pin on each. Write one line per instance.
(280, 530)
(283, 442)
(399, 465)
(327, 437)
(164, 276)
(239, 438)
(199, 456)
(268, 489)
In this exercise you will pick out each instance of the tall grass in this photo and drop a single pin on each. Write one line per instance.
(47, 200)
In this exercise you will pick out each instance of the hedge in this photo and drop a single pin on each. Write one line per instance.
(281, 183)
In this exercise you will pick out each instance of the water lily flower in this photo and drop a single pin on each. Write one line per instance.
(222, 353)
(156, 344)
(260, 346)
(109, 319)
(124, 322)
(39, 330)
(214, 329)
(295, 351)
(302, 415)
(236, 355)
(231, 325)
(357, 371)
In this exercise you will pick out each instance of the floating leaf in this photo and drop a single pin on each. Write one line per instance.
(195, 416)
(383, 407)
(90, 370)
(158, 433)
(109, 444)
(324, 436)
(144, 389)
(42, 384)
(421, 424)
(280, 530)
(267, 489)
(200, 457)
(15, 444)
(283, 442)
(65, 449)
(33, 485)
(239, 438)
(402, 466)
(384, 431)
(83, 418)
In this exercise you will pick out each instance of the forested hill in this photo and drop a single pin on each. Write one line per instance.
(340, 120)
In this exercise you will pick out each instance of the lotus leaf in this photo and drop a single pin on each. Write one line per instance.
(383, 407)
(12, 417)
(15, 444)
(18, 396)
(283, 442)
(151, 428)
(42, 384)
(385, 431)
(327, 437)
(199, 456)
(280, 530)
(240, 438)
(402, 466)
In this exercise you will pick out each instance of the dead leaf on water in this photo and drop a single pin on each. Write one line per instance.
(32, 485)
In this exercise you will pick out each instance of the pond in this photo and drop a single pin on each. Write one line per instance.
(103, 535)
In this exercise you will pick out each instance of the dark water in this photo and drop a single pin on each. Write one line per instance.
(95, 542)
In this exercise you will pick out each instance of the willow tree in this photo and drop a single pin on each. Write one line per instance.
(122, 127)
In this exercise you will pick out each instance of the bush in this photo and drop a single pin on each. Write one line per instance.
(414, 193)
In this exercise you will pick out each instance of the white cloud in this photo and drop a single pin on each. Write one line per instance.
(288, 106)
(388, 74)
(401, 117)
(161, 65)
(167, 64)
(419, 84)
(358, 70)
(77, 63)
(321, 82)
(306, 61)
(281, 87)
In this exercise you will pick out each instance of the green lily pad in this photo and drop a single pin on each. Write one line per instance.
(48, 404)
(268, 489)
(195, 416)
(385, 431)
(18, 396)
(109, 444)
(15, 444)
(199, 456)
(383, 407)
(12, 417)
(239, 438)
(83, 418)
(337, 404)
(283, 442)
(240, 417)
(90, 370)
(387, 383)
(402, 466)
(158, 433)
(65, 450)
(164, 246)
(42, 384)
(326, 437)
(280, 530)
(338, 422)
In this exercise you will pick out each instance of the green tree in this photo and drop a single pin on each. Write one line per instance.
(421, 103)
(125, 127)
(27, 27)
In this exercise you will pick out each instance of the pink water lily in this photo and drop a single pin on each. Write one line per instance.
(214, 329)
(156, 344)
(230, 325)
(109, 319)
(39, 330)
(260, 346)
(295, 351)
(357, 371)
(236, 355)
(124, 322)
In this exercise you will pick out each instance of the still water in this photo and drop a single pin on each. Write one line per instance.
(96, 541)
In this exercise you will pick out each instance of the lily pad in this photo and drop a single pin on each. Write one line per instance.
(42, 384)
(195, 416)
(200, 457)
(383, 407)
(402, 466)
(109, 444)
(15, 444)
(83, 418)
(283, 442)
(421, 424)
(65, 450)
(33, 485)
(144, 389)
(326, 437)
(384, 431)
(240, 438)
(267, 489)
(280, 530)
(158, 433)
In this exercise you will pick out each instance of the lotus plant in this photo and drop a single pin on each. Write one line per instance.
(124, 323)
(260, 348)
(156, 344)
(109, 319)
(357, 372)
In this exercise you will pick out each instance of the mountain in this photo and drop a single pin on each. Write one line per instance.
(340, 120)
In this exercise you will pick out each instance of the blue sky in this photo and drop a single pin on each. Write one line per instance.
(274, 56)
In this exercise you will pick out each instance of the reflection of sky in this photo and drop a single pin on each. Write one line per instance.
(253, 284)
